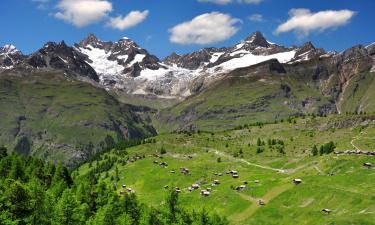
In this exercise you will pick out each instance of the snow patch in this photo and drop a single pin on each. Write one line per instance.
(137, 59)
(370, 45)
(123, 57)
(250, 59)
(100, 62)
(216, 56)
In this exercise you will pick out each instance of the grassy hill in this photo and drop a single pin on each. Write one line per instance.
(247, 95)
(51, 116)
(271, 91)
(337, 182)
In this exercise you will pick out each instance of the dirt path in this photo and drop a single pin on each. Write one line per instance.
(271, 194)
(356, 138)
(223, 154)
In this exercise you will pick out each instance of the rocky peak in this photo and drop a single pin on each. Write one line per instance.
(9, 49)
(62, 57)
(257, 40)
(308, 46)
(172, 58)
(9, 56)
(352, 54)
(92, 40)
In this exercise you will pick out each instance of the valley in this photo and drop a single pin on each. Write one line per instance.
(266, 176)
(254, 133)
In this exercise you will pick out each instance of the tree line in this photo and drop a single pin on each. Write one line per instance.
(36, 192)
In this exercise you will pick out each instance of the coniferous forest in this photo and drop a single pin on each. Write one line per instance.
(36, 192)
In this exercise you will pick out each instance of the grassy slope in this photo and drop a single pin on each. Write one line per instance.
(347, 193)
(61, 117)
(359, 94)
(242, 98)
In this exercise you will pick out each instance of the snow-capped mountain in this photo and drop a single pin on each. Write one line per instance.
(9, 56)
(124, 65)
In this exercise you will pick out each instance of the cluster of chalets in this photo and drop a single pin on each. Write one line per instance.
(126, 189)
(205, 192)
(355, 152)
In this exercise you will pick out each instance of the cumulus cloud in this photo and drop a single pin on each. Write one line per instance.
(81, 13)
(130, 20)
(256, 18)
(225, 2)
(303, 21)
(207, 28)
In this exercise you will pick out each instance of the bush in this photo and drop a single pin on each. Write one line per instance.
(163, 150)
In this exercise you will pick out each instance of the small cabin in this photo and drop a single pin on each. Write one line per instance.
(205, 193)
(172, 171)
(326, 211)
(156, 162)
(220, 174)
(195, 186)
(163, 164)
(261, 202)
(184, 170)
(241, 188)
(129, 190)
(216, 182)
(123, 186)
(235, 176)
(367, 165)
(297, 181)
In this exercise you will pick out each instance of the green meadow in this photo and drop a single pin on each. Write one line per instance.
(267, 158)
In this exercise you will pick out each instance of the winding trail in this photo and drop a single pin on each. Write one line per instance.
(223, 154)
(356, 138)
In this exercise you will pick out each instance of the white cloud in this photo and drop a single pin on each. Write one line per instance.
(83, 12)
(225, 2)
(256, 18)
(303, 21)
(207, 28)
(130, 20)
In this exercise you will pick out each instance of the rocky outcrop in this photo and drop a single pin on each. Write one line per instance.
(62, 57)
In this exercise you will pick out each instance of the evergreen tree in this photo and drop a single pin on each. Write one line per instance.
(314, 151)
(3, 152)
(66, 209)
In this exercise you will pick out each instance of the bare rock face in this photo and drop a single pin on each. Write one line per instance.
(61, 57)
(352, 61)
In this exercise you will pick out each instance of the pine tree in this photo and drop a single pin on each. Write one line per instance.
(66, 212)
(314, 151)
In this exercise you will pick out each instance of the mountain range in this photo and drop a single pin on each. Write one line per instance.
(119, 90)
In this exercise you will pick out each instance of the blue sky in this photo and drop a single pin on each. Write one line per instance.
(28, 24)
